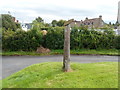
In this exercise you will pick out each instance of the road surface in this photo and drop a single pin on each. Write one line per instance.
(12, 64)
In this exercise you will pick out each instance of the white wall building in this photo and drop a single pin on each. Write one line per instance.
(26, 26)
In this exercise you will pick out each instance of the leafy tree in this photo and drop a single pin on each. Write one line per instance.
(37, 25)
(9, 23)
(54, 23)
(110, 23)
(60, 23)
(39, 19)
(47, 24)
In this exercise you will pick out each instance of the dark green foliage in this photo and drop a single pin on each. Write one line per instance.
(81, 38)
(92, 39)
(9, 23)
(54, 23)
(59, 23)
(117, 42)
(54, 38)
(21, 40)
(39, 19)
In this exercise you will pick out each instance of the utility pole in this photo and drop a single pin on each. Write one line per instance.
(66, 56)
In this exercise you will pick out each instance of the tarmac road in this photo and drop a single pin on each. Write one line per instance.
(12, 64)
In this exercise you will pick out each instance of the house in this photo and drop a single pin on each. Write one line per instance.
(91, 23)
(14, 19)
(26, 26)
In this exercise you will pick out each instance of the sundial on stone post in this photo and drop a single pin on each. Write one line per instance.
(66, 56)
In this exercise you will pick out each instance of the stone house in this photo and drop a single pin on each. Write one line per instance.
(91, 23)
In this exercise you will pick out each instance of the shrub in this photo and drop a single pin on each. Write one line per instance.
(117, 42)
(54, 38)
(21, 40)
(81, 38)
(92, 39)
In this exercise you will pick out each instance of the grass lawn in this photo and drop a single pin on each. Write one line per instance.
(0, 84)
(50, 75)
(54, 52)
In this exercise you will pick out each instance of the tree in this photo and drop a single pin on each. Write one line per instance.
(46, 24)
(39, 19)
(9, 23)
(60, 23)
(38, 23)
(110, 23)
(54, 23)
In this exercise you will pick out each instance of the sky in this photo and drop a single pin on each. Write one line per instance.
(27, 10)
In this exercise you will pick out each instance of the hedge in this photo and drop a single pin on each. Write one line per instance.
(21, 40)
(81, 38)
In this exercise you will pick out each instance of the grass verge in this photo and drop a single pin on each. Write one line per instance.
(56, 52)
(0, 84)
(50, 75)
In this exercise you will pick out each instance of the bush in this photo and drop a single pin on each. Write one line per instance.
(117, 42)
(54, 38)
(92, 39)
(21, 40)
(81, 38)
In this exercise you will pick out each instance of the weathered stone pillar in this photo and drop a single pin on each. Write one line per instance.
(118, 30)
(66, 57)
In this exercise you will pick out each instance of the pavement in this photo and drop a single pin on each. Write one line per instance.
(12, 64)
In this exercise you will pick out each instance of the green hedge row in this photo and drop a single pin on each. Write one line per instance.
(80, 38)
(91, 39)
(21, 40)
(54, 38)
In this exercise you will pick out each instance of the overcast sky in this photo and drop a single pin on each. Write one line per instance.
(28, 10)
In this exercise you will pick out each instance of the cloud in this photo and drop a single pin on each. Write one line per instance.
(28, 10)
